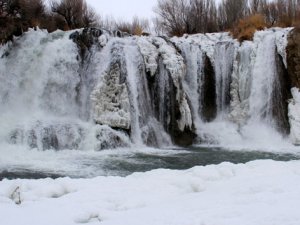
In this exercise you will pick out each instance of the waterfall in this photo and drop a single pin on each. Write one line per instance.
(223, 61)
(263, 78)
(133, 82)
(62, 91)
(257, 104)
(192, 83)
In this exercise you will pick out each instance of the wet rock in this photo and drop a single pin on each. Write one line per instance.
(44, 136)
(109, 138)
(168, 110)
(293, 57)
(280, 97)
(209, 105)
(88, 37)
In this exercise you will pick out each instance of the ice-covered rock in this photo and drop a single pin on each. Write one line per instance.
(293, 57)
(175, 65)
(110, 100)
(294, 116)
(150, 55)
(282, 42)
(108, 138)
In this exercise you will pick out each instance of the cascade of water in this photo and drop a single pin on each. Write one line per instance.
(223, 62)
(41, 76)
(39, 80)
(263, 77)
(244, 70)
(132, 56)
(241, 83)
(50, 98)
(146, 129)
(192, 83)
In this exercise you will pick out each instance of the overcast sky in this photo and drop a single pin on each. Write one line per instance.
(124, 9)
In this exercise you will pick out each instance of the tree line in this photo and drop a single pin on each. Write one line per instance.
(177, 17)
(16, 16)
(173, 17)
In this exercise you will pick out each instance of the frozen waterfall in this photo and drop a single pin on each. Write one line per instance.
(91, 90)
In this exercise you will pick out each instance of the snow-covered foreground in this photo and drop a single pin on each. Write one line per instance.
(256, 193)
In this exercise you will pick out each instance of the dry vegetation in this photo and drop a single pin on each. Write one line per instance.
(16, 16)
(173, 17)
(246, 28)
(240, 17)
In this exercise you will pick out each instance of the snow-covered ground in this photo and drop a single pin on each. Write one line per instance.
(256, 193)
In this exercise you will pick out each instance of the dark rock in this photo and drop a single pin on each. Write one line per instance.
(208, 98)
(45, 137)
(293, 57)
(86, 39)
(281, 95)
(49, 138)
(167, 108)
(110, 139)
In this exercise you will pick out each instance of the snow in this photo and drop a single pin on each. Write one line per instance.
(259, 192)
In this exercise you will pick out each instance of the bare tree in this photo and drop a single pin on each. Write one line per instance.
(32, 12)
(75, 12)
(172, 16)
(138, 26)
(177, 17)
(202, 16)
(254, 6)
(233, 11)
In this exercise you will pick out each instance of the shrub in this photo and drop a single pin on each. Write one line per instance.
(246, 28)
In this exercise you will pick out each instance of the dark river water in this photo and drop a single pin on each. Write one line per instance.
(76, 164)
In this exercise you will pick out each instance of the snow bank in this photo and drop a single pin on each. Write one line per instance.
(260, 192)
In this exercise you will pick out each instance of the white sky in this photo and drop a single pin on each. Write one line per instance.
(124, 9)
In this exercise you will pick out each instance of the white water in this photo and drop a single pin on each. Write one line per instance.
(254, 79)
(248, 75)
(37, 87)
(131, 57)
(223, 63)
(193, 80)
(263, 78)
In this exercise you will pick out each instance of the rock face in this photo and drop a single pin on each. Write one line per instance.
(281, 95)
(293, 57)
(209, 108)
(293, 69)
